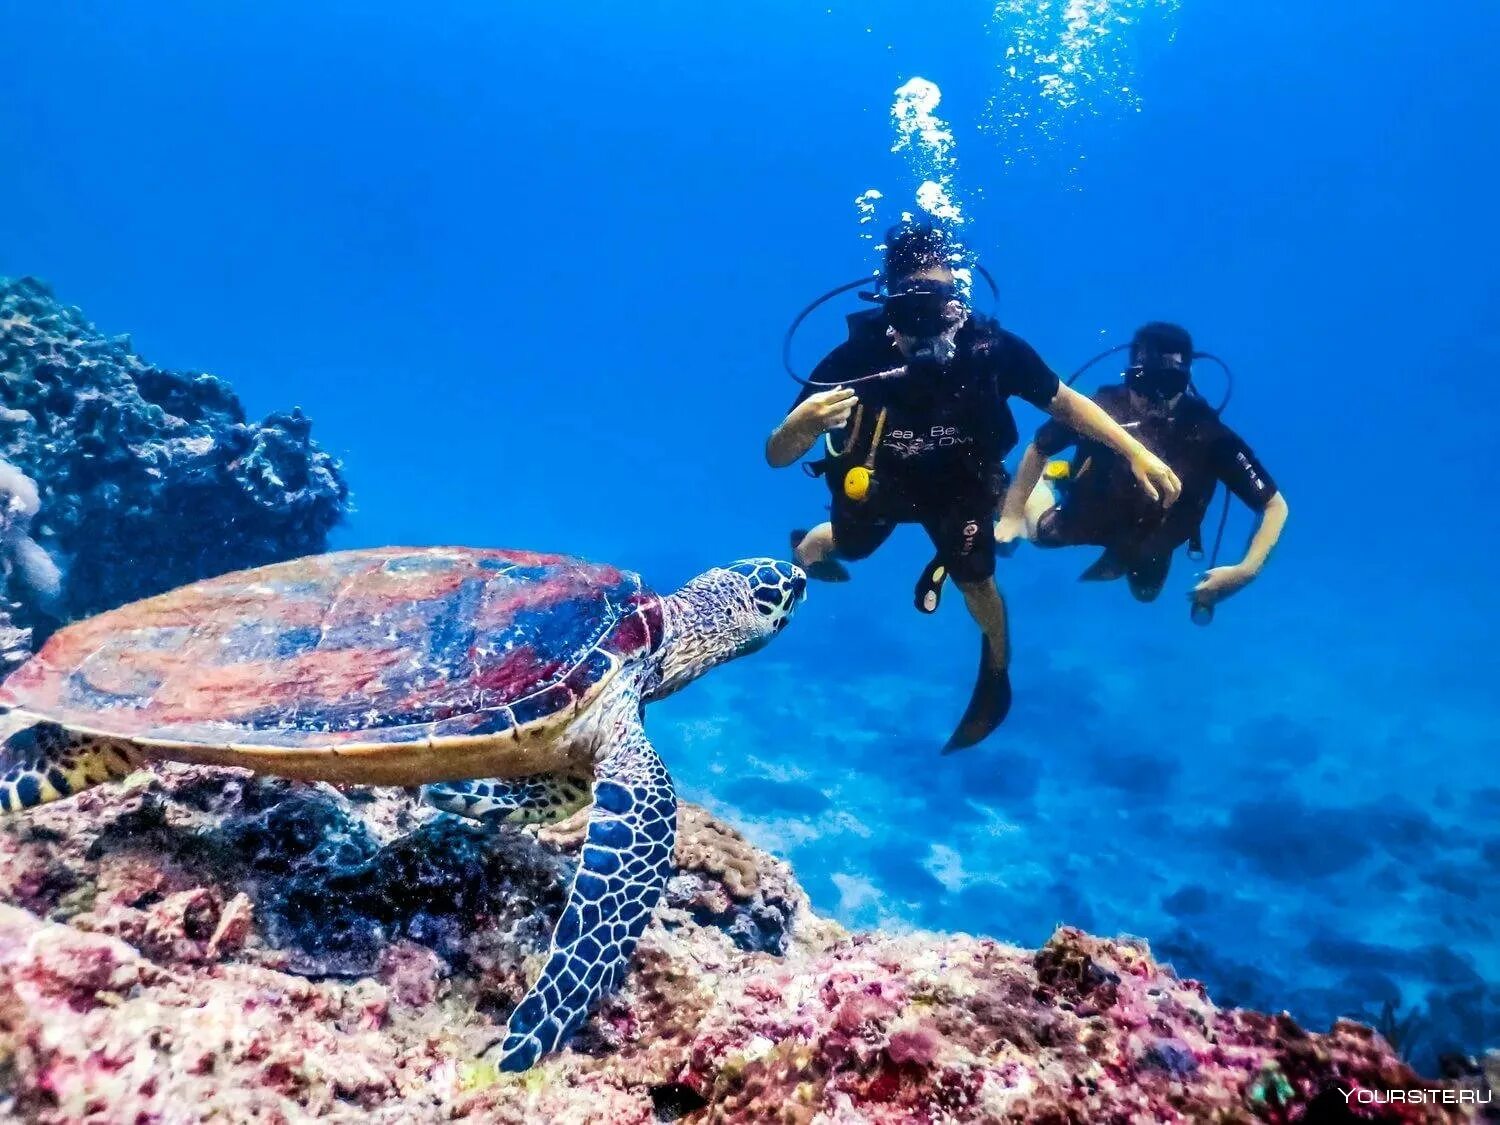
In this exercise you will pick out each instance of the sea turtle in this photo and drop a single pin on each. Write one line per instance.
(431, 666)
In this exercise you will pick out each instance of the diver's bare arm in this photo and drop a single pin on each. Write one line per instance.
(1224, 581)
(788, 443)
(1028, 473)
(1086, 417)
(1267, 534)
(808, 421)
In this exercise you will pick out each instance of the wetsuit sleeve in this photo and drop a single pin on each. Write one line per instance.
(1237, 466)
(1028, 376)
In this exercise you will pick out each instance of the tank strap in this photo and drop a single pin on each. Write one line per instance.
(875, 439)
(851, 442)
(853, 436)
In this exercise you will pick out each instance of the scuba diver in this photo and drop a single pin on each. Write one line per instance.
(918, 395)
(1102, 505)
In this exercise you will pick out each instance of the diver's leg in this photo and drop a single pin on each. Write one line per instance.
(814, 550)
(812, 547)
(859, 528)
(856, 532)
(543, 798)
(987, 607)
(965, 541)
(1043, 499)
(1108, 567)
(1065, 525)
(990, 701)
(42, 762)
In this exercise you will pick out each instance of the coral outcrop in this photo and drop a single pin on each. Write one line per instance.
(30, 582)
(201, 945)
(147, 478)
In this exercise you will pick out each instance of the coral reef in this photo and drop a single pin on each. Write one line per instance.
(147, 478)
(30, 582)
(200, 945)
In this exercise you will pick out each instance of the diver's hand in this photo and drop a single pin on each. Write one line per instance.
(1010, 532)
(1156, 477)
(824, 411)
(1221, 582)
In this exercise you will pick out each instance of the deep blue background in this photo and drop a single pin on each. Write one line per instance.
(528, 272)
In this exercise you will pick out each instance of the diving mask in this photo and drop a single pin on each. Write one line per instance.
(927, 315)
(924, 308)
(1159, 375)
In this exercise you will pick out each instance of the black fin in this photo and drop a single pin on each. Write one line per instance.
(829, 570)
(988, 706)
(928, 594)
(1106, 568)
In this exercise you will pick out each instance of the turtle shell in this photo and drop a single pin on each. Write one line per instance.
(368, 649)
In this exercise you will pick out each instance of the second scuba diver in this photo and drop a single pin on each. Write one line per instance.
(1103, 507)
(920, 394)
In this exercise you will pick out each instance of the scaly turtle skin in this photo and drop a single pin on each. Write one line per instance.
(509, 684)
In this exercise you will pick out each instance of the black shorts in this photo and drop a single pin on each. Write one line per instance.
(961, 527)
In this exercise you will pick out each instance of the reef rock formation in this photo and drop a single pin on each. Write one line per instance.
(146, 478)
(30, 581)
(200, 945)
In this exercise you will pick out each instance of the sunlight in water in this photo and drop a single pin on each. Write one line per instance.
(927, 144)
(865, 206)
(1064, 59)
(926, 141)
(918, 127)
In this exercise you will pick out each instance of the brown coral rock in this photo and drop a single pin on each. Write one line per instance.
(144, 976)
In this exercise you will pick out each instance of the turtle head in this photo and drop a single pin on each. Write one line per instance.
(726, 612)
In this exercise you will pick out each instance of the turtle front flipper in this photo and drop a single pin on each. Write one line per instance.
(543, 798)
(42, 762)
(627, 856)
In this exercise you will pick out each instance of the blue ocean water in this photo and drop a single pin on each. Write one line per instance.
(528, 270)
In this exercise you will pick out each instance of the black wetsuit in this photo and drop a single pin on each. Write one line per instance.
(1106, 507)
(946, 433)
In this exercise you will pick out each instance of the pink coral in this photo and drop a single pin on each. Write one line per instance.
(161, 998)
